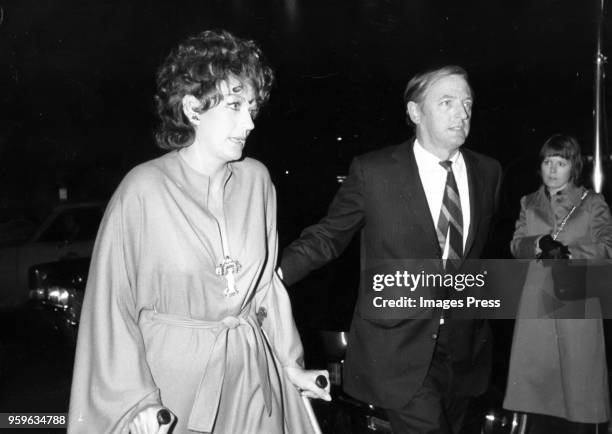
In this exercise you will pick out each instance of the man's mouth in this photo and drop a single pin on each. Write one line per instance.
(238, 140)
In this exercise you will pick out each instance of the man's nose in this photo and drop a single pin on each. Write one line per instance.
(461, 112)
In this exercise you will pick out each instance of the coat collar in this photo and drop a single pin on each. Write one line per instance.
(572, 192)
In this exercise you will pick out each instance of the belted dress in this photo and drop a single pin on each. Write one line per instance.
(158, 325)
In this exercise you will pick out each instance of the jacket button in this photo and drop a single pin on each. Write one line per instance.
(434, 336)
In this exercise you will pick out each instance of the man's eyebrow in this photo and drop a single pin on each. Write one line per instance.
(448, 96)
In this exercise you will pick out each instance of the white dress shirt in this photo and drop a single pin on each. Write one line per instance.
(433, 178)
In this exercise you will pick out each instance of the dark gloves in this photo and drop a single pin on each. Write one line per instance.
(552, 249)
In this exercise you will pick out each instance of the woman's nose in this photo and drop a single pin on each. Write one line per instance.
(248, 122)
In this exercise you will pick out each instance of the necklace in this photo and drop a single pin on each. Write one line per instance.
(228, 269)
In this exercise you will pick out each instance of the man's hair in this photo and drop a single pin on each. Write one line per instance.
(564, 146)
(418, 85)
(197, 67)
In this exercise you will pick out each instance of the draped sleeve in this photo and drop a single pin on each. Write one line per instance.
(272, 296)
(111, 380)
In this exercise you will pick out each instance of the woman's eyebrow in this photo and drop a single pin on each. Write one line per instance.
(238, 95)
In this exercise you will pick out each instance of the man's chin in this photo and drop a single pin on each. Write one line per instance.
(236, 156)
(456, 144)
(457, 138)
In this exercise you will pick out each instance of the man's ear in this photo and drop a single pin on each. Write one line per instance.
(414, 111)
(190, 107)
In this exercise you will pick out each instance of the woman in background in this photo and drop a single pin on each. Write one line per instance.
(183, 308)
(558, 366)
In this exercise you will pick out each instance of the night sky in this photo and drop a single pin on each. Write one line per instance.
(77, 81)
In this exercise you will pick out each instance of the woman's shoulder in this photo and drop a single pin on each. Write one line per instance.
(145, 176)
(594, 199)
(534, 198)
(251, 168)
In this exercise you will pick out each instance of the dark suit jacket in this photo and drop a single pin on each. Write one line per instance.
(387, 360)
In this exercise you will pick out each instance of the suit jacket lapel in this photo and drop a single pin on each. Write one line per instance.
(475, 188)
(411, 190)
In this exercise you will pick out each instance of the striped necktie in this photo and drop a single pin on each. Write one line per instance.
(450, 221)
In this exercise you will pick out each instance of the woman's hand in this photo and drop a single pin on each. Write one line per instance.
(145, 422)
(305, 381)
(552, 249)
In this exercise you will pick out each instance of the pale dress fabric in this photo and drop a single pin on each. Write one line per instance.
(156, 326)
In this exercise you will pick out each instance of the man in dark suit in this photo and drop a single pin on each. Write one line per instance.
(425, 198)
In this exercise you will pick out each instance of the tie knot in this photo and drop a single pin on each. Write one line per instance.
(447, 165)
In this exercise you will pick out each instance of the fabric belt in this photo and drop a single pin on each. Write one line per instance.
(208, 396)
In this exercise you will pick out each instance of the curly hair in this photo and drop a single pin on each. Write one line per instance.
(567, 147)
(197, 67)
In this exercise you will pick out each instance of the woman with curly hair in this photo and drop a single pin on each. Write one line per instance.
(183, 309)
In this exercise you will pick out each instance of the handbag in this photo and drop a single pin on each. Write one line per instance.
(569, 279)
(569, 275)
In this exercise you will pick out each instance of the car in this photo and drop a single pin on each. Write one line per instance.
(345, 414)
(68, 232)
(56, 293)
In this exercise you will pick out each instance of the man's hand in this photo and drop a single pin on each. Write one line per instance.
(146, 421)
(306, 382)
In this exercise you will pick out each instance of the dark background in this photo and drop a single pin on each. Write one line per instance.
(77, 81)
(76, 105)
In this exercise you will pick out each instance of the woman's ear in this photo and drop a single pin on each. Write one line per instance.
(413, 110)
(190, 107)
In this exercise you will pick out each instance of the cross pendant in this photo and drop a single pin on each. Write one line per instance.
(229, 268)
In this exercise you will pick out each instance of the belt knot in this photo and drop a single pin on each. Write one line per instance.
(231, 322)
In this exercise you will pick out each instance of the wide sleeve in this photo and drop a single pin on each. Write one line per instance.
(276, 316)
(111, 380)
(600, 221)
(320, 243)
(523, 245)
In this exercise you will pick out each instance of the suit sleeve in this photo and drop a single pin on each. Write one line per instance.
(111, 380)
(277, 321)
(523, 245)
(326, 240)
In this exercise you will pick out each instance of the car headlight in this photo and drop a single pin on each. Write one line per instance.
(38, 294)
(59, 296)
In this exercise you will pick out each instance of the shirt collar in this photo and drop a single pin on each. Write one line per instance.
(425, 158)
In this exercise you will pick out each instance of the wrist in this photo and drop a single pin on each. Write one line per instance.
(536, 245)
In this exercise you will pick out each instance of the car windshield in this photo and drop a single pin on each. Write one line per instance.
(79, 224)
